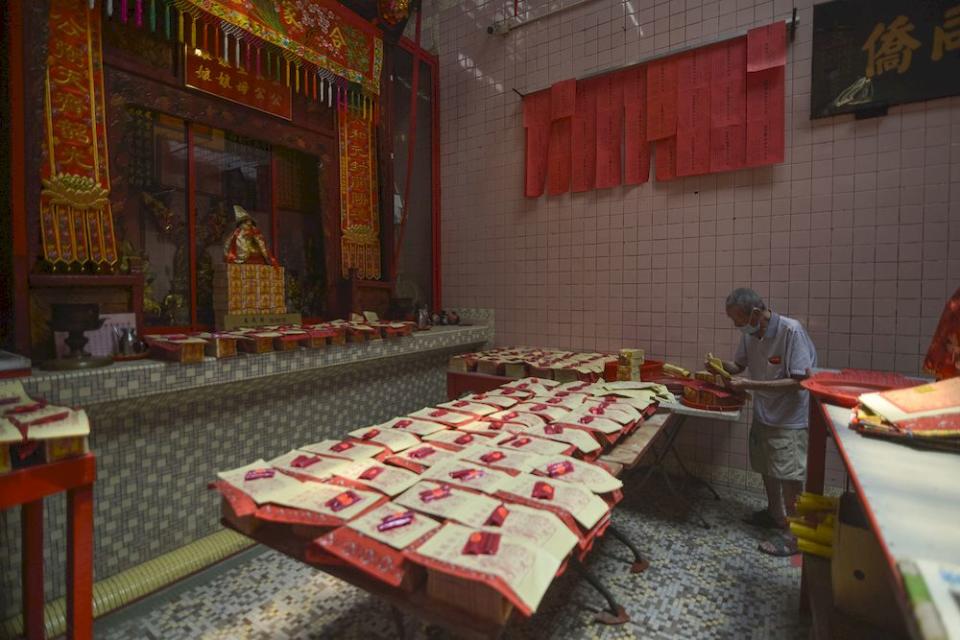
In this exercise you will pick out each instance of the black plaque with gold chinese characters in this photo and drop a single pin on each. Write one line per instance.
(869, 54)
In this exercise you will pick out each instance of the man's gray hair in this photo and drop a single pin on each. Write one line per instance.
(745, 299)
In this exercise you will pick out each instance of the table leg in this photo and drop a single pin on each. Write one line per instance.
(816, 448)
(80, 563)
(31, 529)
(616, 614)
(672, 429)
(639, 564)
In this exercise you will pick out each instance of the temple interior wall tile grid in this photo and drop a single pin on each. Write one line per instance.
(156, 456)
(856, 234)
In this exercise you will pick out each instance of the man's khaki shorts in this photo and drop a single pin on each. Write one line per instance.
(778, 452)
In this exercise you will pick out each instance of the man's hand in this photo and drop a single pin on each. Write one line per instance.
(739, 384)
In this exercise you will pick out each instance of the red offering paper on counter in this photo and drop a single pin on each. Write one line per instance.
(767, 47)
(503, 458)
(384, 478)
(580, 439)
(502, 402)
(474, 408)
(426, 455)
(457, 437)
(515, 415)
(581, 503)
(413, 425)
(344, 449)
(530, 444)
(394, 525)
(443, 416)
(394, 439)
(592, 476)
(308, 464)
(546, 411)
(539, 526)
(260, 487)
(468, 475)
(484, 543)
(516, 568)
(330, 499)
(448, 502)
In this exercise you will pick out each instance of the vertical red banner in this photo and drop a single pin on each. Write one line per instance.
(636, 151)
(536, 121)
(584, 138)
(693, 113)
(765, 116)
(661, 99)
(563, 99)
(609, 130)
(767, 47)
(666, 159)
(559, 162)
(766, 60)
(728, 105)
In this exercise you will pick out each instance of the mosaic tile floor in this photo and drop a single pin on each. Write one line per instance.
(705, 584)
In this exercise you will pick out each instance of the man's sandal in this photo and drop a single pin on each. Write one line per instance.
(780, 546)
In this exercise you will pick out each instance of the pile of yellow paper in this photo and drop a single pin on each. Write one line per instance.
(813, 525)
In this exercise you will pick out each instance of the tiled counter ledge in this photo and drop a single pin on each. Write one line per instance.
(161, 431)
(130, 380)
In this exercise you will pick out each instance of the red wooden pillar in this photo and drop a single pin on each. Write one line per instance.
(31, 527)
(80, 562)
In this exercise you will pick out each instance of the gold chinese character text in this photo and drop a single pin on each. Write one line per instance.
(203, 72)
(947, 37)
(890, 47)
(224, 80)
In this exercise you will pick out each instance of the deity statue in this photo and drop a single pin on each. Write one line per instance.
(246, 244)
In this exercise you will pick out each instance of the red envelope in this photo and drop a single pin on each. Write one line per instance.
(464, 439)
(498, 516)
(422, 452)
(482, 543)
(342, 501)
(341, 446)
(542, 491)
(259, 474)
(493, 456)
(395, 520)
(303, 461)
(371, 473)
(557, 469)
(371, 434)
(435, 494)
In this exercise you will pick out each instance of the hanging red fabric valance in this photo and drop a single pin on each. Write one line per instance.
(321, 32)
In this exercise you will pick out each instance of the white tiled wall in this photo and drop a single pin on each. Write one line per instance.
(857, 234)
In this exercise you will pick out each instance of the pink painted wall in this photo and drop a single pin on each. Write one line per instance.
(857, 234)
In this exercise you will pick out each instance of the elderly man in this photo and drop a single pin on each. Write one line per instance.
(776, 353)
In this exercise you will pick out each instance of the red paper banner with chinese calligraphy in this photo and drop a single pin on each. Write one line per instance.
(536, 121)
(584, 139)
(224, 80)
(76, 223)
(636, 151)
(703, 110)
(320, 32)
(359, 210)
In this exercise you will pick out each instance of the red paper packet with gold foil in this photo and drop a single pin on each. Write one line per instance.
(943, 354)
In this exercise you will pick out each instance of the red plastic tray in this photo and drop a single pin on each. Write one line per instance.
(845, 387)
(710, 407)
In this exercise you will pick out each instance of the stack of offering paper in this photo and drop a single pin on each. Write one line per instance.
(927, 415)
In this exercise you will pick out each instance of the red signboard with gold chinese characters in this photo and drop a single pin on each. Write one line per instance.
(212, 75)
(359, 210)
(76, 223)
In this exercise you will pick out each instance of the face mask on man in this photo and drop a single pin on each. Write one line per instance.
(750, 329)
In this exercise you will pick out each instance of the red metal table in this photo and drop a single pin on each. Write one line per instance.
(27, 488)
